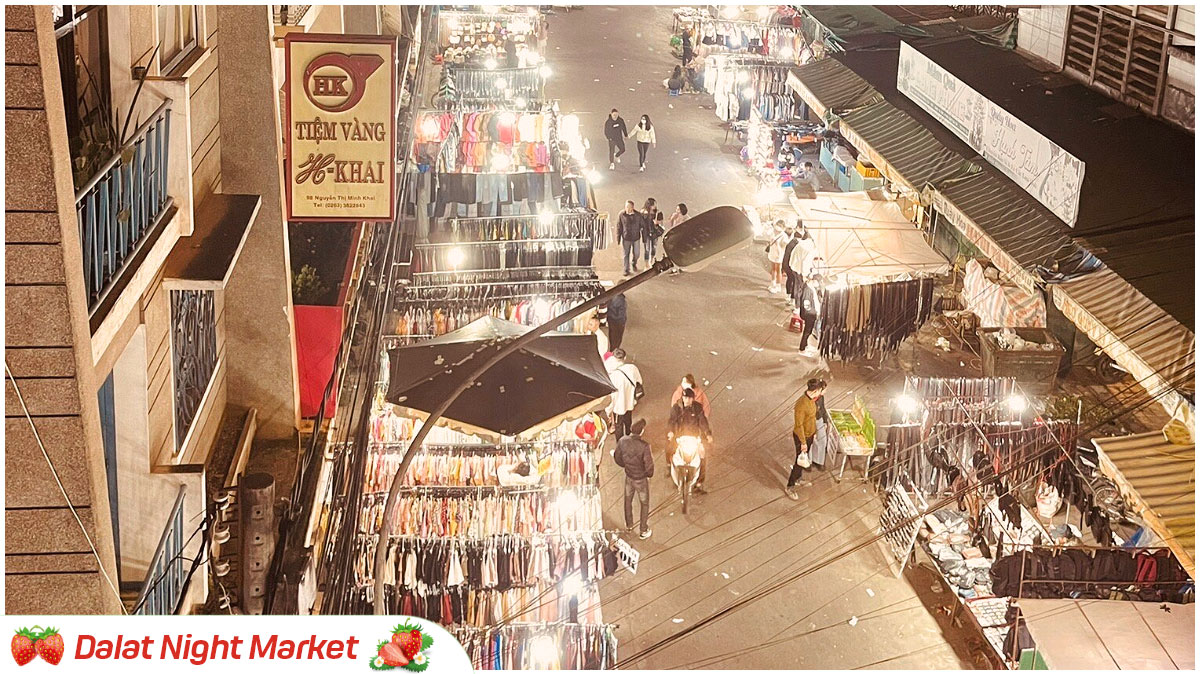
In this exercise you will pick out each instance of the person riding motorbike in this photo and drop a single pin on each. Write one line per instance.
(688, 419)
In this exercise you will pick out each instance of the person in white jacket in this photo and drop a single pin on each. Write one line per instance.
(643, 133)
(775, 255)
(799, 262)
(625, 377)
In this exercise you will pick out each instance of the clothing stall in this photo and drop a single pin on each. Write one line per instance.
(740, 83)
(477, 38)
(878, 272)
(767, 31)
(774, 148)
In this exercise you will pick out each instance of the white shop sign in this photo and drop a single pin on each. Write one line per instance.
(1039, 166)
(627, 556)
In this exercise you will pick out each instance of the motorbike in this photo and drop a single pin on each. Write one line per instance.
(685, 466)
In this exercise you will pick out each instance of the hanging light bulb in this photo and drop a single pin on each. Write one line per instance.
(787, 52)
(501, 83)
(572, 584)
(907, 404)
(490, 63)
(730, 11)
(500, 162)
(593, 176)
(748, 92)
(545, 70)
(1017, 403)
(546, 219)
(507, 117)
(430, 128)
(544, 651)
(520, 102)
(763, 12)
(742, 76)
(567, 504)
(456, 256)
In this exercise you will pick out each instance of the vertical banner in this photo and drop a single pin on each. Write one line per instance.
(341, 127)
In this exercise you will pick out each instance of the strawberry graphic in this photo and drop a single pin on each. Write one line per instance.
(392, 655)
(22, 646)
(408, 641)
(50, 646)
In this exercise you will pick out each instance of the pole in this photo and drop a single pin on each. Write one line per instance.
(389, 514)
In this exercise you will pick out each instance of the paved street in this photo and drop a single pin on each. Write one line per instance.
(721, 325)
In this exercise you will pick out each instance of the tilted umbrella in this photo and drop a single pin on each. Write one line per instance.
(553, 374)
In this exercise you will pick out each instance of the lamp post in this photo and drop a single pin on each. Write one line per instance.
(691, 246)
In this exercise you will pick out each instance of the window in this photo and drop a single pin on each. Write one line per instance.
(178, 27)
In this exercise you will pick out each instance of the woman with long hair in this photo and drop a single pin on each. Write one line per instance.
(643, 133)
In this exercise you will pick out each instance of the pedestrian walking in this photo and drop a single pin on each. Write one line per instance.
(799, 262)
(643, 133)
(616, 315)
(593, 327)
(804, 429)
(651, 229)
(775, 256)
(630, 225)
(634, 455)
(627, 380)
(786, 262)
(616, 133)
(810, 310)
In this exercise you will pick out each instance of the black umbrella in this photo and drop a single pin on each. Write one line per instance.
(554, 374)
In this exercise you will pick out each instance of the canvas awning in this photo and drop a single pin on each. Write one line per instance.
(999, 305)
(1091, 634)
(1159, 478)
(1134, 331)
(866, 239)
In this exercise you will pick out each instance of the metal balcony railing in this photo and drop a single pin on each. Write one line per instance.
(123, 202)
(166, 581)
(290, 15)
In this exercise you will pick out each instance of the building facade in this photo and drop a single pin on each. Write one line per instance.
(147, 289)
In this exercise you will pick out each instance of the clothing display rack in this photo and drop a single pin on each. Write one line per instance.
(501, 255)
(572, 224)
(871, 320)
(498, 83)
(563, 465)
(434, 318)
(574, 646)
(767, 38)
(739, 84)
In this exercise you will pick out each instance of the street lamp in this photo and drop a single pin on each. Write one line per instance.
(691, 246)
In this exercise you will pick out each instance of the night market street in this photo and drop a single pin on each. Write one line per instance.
(722, 326)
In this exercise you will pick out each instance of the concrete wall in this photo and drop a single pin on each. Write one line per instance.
(260, 327)
(1042, 31)
(47, 347)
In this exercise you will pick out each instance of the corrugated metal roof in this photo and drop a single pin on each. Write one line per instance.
(835, 86)
(1163, 477)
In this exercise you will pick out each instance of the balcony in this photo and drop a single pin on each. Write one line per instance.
(123, 209)
(289, 15)
(166, 582)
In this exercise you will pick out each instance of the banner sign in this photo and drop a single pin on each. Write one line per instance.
(1039, 166)
(627, 556)
(341, 127)
(231, 644)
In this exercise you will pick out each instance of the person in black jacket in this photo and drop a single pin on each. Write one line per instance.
(633, 454)
(616, 314)
(616, 132)
(688, 419)
(631, 227)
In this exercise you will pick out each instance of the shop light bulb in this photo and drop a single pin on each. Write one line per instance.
(567, 504)
(748, 92)
(907, 404)
(546, 219)
(1017, 403)
(742, 76)
(507, 117)
(520, 102)
(730, 11)
(543, 650)
(572, 584)
(500, 162)
(456, 257)
(541, 309)
(787, 52)
(763, 12)
(545, 71)
(593, 176)
(490, 63)
(430, 128)
(453, 22)
(532, 11)
(501, 83)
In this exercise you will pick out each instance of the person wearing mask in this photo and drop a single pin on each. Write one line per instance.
(625, 378)
(633, 454)
(617, 313)
(804, 429)
(809, 305)
(616, 133)
(775, 256)
(677, 218)
(689, 382)
(593, 327)
(651, 230)
(643, 133)
(688, 419)
(630, 225)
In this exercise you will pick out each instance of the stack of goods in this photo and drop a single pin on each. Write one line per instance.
(1135, 574)
(948, 538)
(870, 321)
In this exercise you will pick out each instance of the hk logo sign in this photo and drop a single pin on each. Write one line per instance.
(335, 82)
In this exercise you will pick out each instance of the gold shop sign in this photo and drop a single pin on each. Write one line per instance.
(341, 127)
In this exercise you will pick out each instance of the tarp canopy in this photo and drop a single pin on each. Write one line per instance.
(1160, 479)
(865, 238)
(1091, 634)
(555, 374)
(999, 305)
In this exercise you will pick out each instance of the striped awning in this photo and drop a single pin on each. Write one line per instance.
(1135, 332)
(1160, 479)
(827, 85)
